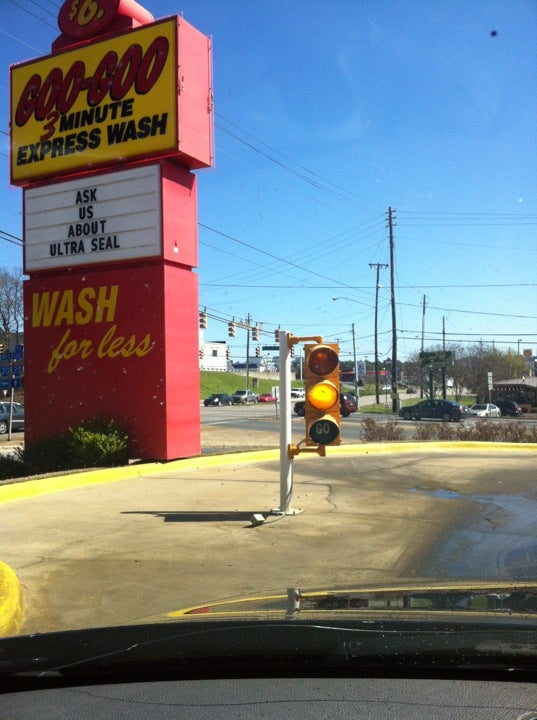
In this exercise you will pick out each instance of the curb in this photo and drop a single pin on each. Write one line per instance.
(26, 489)
(23, 490)
(11, 605)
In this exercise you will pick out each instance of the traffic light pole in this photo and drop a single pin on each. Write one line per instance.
(248, 321)
(286, 460)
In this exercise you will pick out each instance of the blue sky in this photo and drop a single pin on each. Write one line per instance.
(327, 114)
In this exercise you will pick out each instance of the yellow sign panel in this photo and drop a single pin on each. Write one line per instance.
(98, 104)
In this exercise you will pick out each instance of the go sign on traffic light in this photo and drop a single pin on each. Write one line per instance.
(322, 404)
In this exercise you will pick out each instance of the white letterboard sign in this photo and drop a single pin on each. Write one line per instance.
(99, 219)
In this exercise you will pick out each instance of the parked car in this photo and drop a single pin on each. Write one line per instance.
(17, 420)
(446, 410)
(218, 399)
(485, 410)
(298, 393)
(243, 397)
(347, 401)
(348, 404)
(267, 398)
(510, 408)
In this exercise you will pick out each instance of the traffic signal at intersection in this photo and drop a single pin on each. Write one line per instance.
(322, 401)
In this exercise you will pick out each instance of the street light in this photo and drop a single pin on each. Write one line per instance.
(340, 297)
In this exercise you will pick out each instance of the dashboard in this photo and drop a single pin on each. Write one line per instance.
(309, 698)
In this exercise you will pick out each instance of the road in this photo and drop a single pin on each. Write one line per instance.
(258, 426)
(150, 542)
(240, 427)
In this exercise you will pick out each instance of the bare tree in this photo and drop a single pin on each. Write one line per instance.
(11, 307)
(477, 360)
(469, 367)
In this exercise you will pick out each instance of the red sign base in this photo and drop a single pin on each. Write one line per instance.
(122, 343)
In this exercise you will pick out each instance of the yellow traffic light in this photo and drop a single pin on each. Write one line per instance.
(322, 402)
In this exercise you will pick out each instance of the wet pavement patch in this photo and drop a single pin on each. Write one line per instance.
(440, 493)
(501, 541)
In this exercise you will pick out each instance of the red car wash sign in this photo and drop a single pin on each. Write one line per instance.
(91, 306)
(105, 132)
(114, 100)
(79, 19)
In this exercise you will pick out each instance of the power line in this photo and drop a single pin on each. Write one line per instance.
(476, 334)
(13, 239)
(474, 312)
(303, 172)
(29, 12)
(271, 255)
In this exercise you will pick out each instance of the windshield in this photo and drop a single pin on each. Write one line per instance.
(243, 302)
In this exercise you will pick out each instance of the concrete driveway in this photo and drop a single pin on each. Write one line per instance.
(115, 547)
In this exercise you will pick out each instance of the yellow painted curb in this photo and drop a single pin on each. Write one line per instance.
(11, 606)
(433, 446)
(23, 490)
(26, 489)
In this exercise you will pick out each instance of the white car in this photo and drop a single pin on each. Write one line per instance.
(485, 410)
(298, 393)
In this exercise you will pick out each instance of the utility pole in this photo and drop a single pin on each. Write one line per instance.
(378, 266)
(444, 388)
(356, 391)
(395, 402)
(422, 344)
(248, 321)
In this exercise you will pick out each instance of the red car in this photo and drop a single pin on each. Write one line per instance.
(267, 398)
(348, 404)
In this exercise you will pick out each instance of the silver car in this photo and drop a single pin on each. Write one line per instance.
(485, 410)
(17, 421)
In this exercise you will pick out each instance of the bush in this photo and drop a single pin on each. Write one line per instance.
(11, 467)
(425, 431)
(98, 443)
(531, 434)
(94, 443)
(378, 432)
(445, 431)
(392, 430)
(516, 433)
(482, 431)
(45, 455)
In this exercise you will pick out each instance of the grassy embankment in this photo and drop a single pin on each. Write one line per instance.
(225, 382)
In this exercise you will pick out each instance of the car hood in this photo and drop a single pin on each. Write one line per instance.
(475, 598)
(457, 627)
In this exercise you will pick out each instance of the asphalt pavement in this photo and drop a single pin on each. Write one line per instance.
(123, 545)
